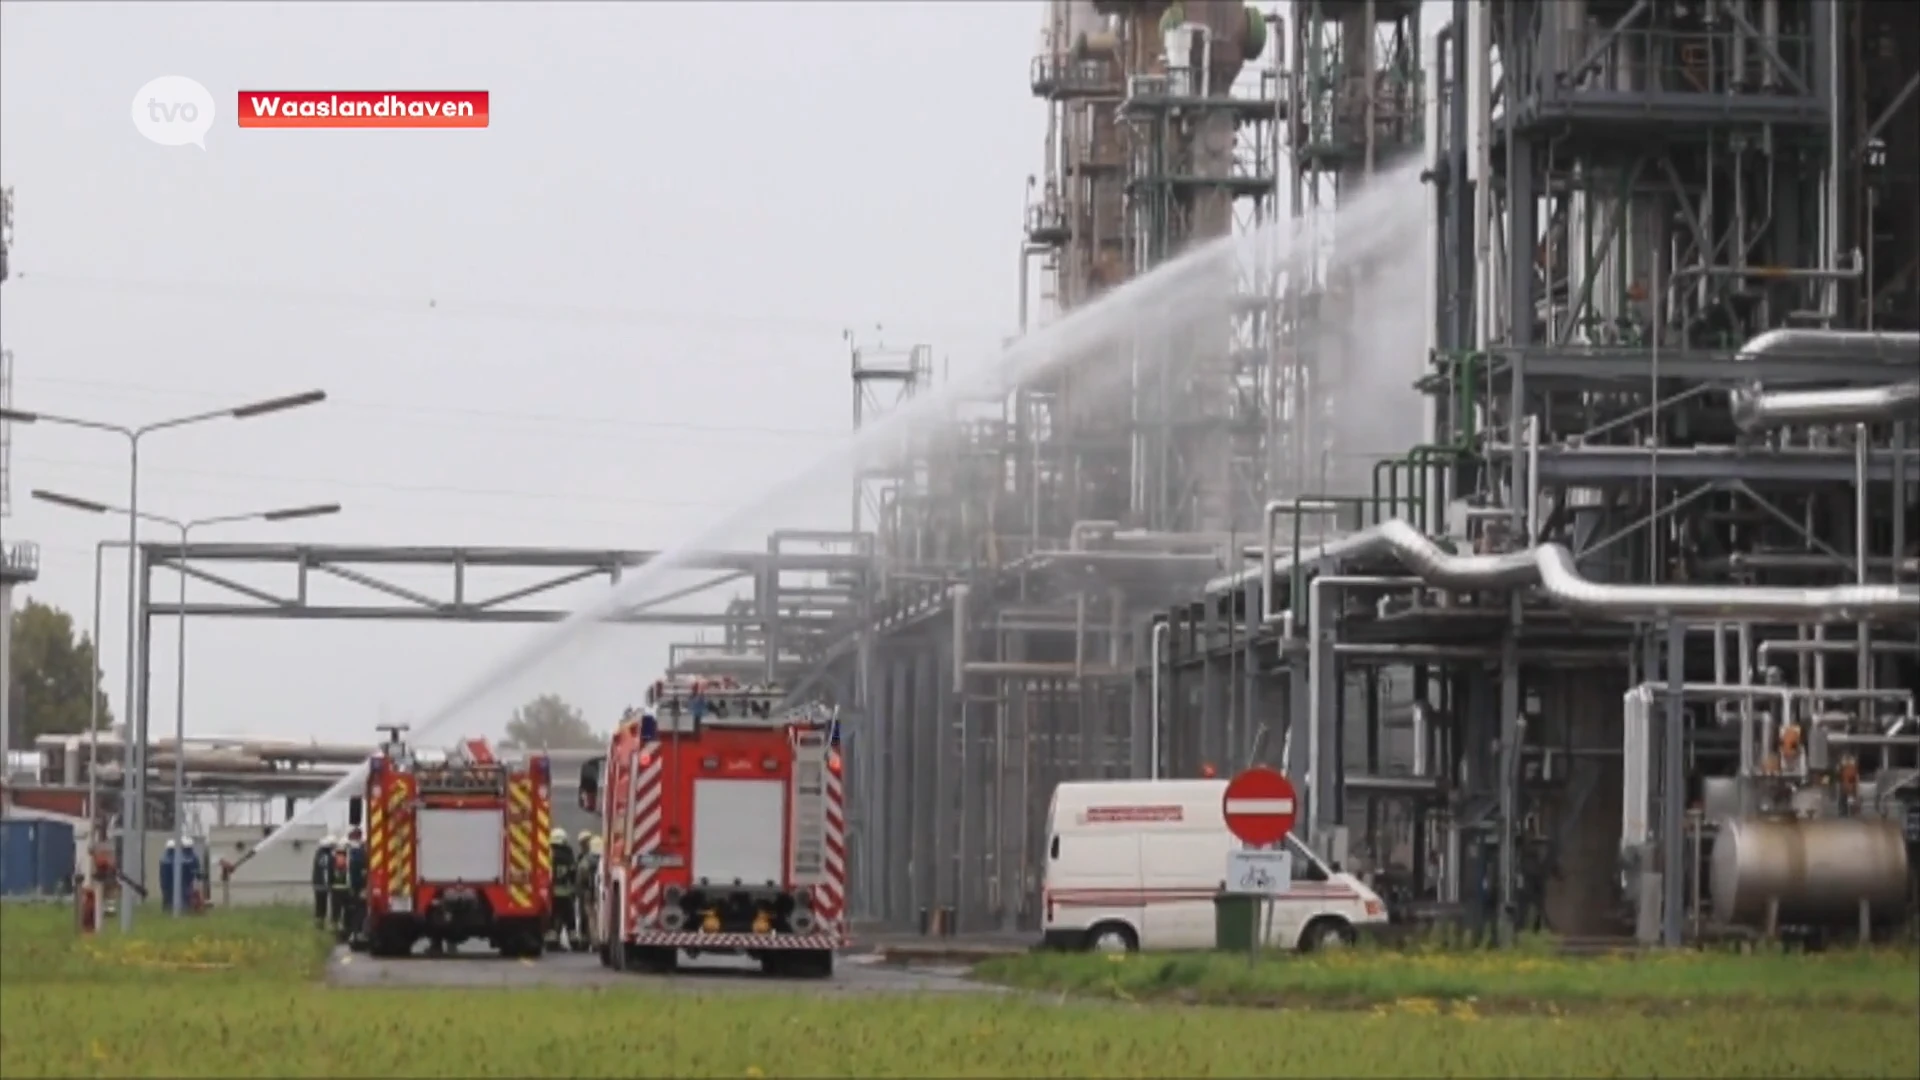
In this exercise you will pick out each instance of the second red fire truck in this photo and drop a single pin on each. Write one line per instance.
(457, 849)
(724, 817)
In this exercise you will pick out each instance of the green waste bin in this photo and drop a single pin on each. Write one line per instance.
(1235, 917)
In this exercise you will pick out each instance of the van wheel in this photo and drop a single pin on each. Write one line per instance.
(1326, 932)
(1112, 937)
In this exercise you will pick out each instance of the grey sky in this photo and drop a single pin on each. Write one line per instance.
(674, 213)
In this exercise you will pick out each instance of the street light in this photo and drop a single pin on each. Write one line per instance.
(180, 652)
(137, 778)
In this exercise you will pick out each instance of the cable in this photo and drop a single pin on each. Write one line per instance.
(626, 426)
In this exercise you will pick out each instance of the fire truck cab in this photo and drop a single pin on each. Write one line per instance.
(724, 823)
(457, 848)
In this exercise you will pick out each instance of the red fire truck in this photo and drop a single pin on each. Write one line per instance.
(724, 818)
(457, 849)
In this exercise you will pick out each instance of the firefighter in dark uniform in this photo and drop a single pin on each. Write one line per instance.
(583, 898)
(339, 889)
(356, 886)
(565, 869)
(322, 874)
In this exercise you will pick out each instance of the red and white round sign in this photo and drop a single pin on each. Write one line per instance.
(1259, 806)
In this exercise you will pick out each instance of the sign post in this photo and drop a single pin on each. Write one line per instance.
(1258, 805)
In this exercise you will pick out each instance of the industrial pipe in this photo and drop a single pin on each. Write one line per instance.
(1551, 567)
(1315, 609)
(1271, 516)
(1884, 346)
(1157, 643)
(958, 594)
(1422, 732)
(1755, 410)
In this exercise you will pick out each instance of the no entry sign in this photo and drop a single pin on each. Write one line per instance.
(1259, 806)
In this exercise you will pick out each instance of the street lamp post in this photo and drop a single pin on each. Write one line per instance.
(185, 529)
(136, 792)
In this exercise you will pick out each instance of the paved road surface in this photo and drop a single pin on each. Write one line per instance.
(854, 973)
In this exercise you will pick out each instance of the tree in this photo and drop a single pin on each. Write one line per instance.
(549, 723)
(50, 676)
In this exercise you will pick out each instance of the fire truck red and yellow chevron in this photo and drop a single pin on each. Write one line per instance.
(390, 839)
(529, 858)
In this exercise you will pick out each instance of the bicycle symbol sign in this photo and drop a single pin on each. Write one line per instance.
(1259, 872)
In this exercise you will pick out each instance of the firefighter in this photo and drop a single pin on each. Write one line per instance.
(582, 888)
(322, 867)
(339, 890)
(356, 885)
(167, 858)
(564, 869)
(189, 855)
(589, 899)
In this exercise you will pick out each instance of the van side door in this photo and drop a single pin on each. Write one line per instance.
(1180, 873)
(1093, 874)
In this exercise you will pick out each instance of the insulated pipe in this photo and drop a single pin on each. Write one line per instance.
(1295, 507)
(1316, 609)
(1755, 410)
(1422, 725)
(959, 596)
(1551, 567)
(1158, 644)
(1890, 347)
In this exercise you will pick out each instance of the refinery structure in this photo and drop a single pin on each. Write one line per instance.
(1620, 625)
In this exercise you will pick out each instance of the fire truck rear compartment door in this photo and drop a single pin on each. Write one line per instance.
(738, 830)
(461, 845)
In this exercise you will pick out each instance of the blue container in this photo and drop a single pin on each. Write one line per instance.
(56, 857)
(36, 857)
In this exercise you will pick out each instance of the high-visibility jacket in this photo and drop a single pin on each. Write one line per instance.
(337, 872)
(564, 869)
(322, 868)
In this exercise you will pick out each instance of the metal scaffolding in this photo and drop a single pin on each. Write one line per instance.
(1642, 215)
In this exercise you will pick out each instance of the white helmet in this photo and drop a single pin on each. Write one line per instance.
(559, 836)
(329, 840)
(171, 845)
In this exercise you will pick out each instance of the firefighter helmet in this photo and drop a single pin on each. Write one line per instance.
(559, 836)
(585, 836)
(171, 844)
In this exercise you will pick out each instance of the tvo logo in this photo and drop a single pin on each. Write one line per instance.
(173, 110)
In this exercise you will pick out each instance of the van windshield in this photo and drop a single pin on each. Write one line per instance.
(1302, 851)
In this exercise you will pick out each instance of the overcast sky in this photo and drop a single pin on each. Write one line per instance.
(602, 321)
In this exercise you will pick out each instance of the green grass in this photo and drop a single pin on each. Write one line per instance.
(237, 994)
(1885, 980)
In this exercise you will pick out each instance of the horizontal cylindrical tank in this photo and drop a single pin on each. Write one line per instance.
(1818, 869)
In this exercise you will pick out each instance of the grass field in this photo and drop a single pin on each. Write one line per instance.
(240, 995)
(1536, 975)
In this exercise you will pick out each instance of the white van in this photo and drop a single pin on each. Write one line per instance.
(1135, 864)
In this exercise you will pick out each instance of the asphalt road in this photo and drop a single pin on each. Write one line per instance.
(854, 973)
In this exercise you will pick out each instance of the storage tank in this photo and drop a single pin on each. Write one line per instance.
(1819, 869)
